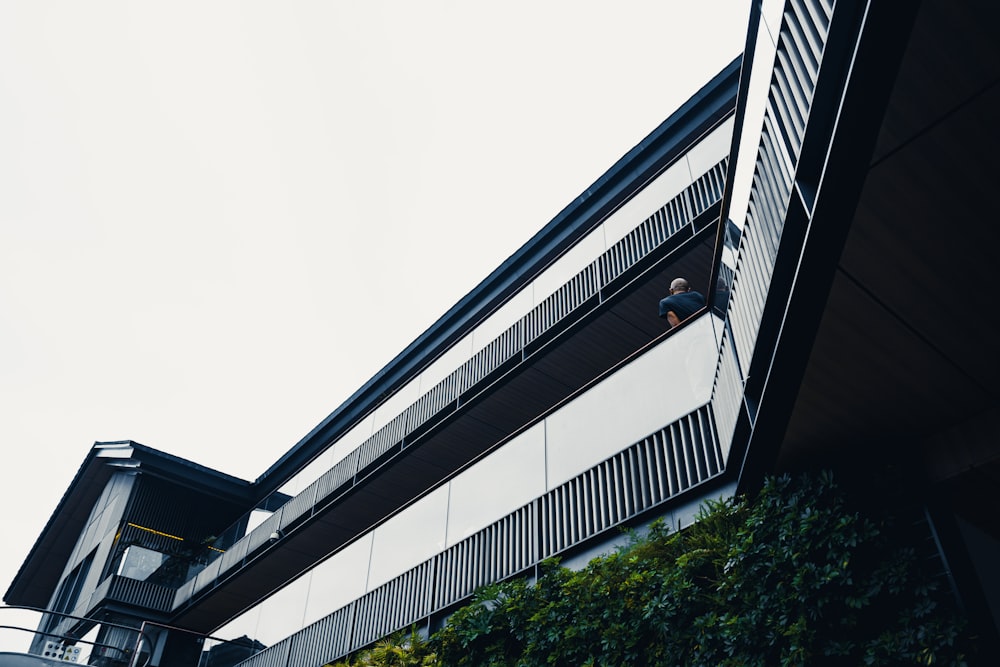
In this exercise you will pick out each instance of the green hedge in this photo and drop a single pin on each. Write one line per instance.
(794, 577)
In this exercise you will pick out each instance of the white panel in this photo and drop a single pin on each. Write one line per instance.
(338, 580)
(244, 625)
(446, 364)
(710, 150)
(396, 404)
(510, 477)
(662, 189)
(753, 120)
(656, 389)
(282, 613)
(772, 12)
(561, 271)
(352, 439)
(308, 475)
(409, 538)
(500, 321)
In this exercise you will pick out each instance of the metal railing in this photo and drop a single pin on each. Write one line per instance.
(670, 220)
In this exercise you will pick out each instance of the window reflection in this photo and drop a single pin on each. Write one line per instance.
(140, 563)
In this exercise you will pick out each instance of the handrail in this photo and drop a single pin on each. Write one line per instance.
(67, 639)
(663, 224)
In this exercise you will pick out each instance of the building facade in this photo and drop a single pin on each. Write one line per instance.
(828, 193)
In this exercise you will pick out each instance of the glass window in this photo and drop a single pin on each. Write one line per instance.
(139, 562)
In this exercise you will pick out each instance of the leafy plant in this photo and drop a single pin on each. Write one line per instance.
(794, 577)
(401, 649)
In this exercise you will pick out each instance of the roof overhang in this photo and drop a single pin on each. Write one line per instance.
(887, 355)
(39, 574)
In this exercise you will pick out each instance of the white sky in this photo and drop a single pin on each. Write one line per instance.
(219, 219)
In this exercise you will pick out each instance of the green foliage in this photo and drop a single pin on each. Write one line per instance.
(794, 577)
(400, 649)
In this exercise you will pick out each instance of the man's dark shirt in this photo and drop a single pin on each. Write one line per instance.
(684, 304)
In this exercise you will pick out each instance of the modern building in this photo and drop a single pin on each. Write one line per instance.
(828, 193)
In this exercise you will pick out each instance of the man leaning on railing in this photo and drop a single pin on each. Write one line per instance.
(682, 303)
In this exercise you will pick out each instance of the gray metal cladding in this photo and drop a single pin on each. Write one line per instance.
(800, 48)
(561, 303)
(670, 219)
(727, 395)
(157, 541)
(323, 641)
(393, 606)
(141, 593)
(234, 555)
(659, 467)
(300, 505)
(653, 232)
(651, 471)
(800, 51)
(278, 655)
(667, 221)
(340, 474)
(494, 553)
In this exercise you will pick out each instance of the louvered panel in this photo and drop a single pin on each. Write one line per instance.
(801, 42)
(259, 536)
(713, 444)
(206, 577)
(488, 359)
(707, 190)
(118, 644)
(234, 556)
(699, 454)
(140, 593)
(640, 477)
(496, 552)
(384, 439)
(337, 476)
(273, 656)
(758, 247)
(774, 186)
(146, 508)
(133, 534)
(782, 107)
(654, 469)
(431, 403)
(324, 641)
(392, 606)
(561, 303)
(674, 216)
(299, 506)
(468, 374)
(662, 224)
(727, 395)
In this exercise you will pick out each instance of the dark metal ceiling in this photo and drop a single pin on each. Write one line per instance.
(906, 347)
